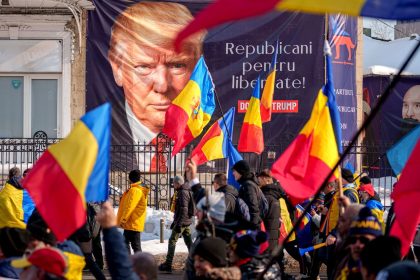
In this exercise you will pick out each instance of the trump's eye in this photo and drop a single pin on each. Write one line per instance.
(143, 69)
(177, 68)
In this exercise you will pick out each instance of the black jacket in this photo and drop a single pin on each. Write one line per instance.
(198, 192)
(249, 193)
(181, 217)
(231, 194)
(272, 220)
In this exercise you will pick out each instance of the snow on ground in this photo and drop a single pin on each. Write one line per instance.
(150, 237)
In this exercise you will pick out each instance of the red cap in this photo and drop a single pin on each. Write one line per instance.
(367, 188)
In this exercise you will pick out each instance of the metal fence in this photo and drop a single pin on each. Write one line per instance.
(23, 153)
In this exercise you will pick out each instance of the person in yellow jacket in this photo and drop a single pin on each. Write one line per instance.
(132, 211)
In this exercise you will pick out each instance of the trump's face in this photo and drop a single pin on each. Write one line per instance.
(411, 104)
(151, 78)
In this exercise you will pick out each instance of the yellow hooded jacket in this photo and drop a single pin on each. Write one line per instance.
(132, 210)
(11, 212)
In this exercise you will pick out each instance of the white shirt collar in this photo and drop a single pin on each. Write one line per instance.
(140, 133)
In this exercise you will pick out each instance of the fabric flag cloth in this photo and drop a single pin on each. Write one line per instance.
(251, 138)
(268, 92)
(215, 143)
(233, 157)
(192, 109)
(308, 160)
(73, 172)
(399, 153)
(406, 196)
(224, 11)
(304, 233)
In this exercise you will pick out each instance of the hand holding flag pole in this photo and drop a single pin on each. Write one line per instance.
(302, 251)
(382, 99)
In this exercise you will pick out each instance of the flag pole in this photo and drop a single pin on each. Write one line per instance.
(276, 252)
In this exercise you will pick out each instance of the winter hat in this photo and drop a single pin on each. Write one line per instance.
(366, 224)
(365, 180)
(217, 206)
(242, 167)
(400, 270)
(179, 180)
(347, 175)
(246, 243)
(13, 241)
(49, 259)
(39, 230)
(213, 250)
(367, 188)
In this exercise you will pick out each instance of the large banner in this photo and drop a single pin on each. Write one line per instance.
(131, 63)
(399, 114)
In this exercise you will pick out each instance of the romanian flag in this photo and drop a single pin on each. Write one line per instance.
(308, 160)
(304, 233)
(406, 196)
(191, 110)
(268, 92)
(399, 153)
(251, 138)
(223, 11)
(215, 143)
(73, 172)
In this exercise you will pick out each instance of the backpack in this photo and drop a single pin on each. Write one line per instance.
(241, 208)
(263, 203)
(191, 206)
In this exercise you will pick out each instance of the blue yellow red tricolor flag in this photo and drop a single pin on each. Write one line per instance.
(309, 159)
(215, 143)
(223, 11)
(406, 196)
(268, 92)
(73, 172)
(192, 109)
(399, 153)
(251, 138)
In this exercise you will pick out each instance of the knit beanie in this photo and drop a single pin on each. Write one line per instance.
(246, 243)
(400, 270)
(347, 175)
(213, 250)
(39, 230)
(366, 224)
(242, 167)
(367, 188)
(217, 206)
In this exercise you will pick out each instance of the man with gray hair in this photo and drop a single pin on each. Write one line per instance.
(184, 211)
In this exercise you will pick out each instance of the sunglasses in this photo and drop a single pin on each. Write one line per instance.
(362, 239)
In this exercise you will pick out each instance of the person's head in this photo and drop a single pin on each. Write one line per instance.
(400, 270)
(330, 187)
(134, 176)
(209, 253)
(241, 168)
(42, 263)
(344, 221)
(365, 180)
(219, 180)
(39, 232)
(215, 206)
(362, 231)
(264, 177)
(245, 244)
(178, 181)
(347, 176)
(378, 254)
(366, 192)
(145, 266)
(14, 172)
(411, 104)
(144, 62)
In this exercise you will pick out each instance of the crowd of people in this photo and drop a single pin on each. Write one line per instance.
(239, 231)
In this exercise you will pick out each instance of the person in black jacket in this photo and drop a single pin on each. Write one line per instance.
(249, 190)
(272, 220)
(182, 222)
(231, 195)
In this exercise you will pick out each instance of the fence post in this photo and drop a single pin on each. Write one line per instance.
(162, 224)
